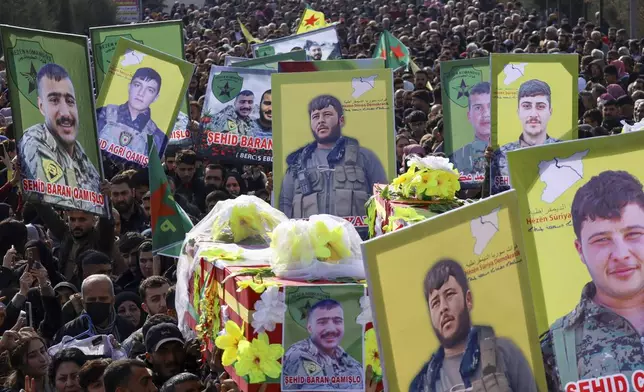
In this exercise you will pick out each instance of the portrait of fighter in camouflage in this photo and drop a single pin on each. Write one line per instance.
(129, 124)
(263, 125)
(50, 151)
(534, 111)
(237, 118)
(471, 357)
(333, 174)
(603, 334)
(321, 355)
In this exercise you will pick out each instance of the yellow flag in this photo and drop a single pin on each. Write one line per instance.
(311, 20)
(249, 38)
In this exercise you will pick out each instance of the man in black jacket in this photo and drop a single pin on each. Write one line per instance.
(98, 315)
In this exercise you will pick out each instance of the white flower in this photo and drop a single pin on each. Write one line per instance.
(269, 310)
(224, 319)
(365, 316)
(431, 162)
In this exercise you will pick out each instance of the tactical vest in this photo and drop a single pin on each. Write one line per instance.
(124, 135)
(493, 377)
(339, 189)
(564, 343)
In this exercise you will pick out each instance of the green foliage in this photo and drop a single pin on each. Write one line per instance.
(67, 16)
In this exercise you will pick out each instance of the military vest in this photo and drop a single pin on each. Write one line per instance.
(565, 350)
(339, 189)
(124, 135)
(493, 377)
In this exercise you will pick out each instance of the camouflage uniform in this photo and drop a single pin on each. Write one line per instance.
(602, 342)
(115, 126)
(470, 159)
(499, 164)
(258, 130)
(303, 359)
(43, 157)
(228, 121)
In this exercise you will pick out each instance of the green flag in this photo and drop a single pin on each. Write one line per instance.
(170, 223)
(393, 51)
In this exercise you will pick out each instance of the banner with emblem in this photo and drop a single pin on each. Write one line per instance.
(237, 116)
(53, 111)
(320, 44)
(534, 102)
(166, 37)
(141, 96)
(581, 208)
(330, 65)
(268, 62)
(319, 320)
(466, 114)
(463, 304)
(333, 141)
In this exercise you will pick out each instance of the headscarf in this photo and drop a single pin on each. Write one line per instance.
(621, 68)
(130, 296)
(615, 90)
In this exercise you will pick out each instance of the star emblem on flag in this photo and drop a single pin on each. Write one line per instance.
(311, 20)
(397, 52)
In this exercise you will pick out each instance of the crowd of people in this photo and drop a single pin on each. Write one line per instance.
(71, 274)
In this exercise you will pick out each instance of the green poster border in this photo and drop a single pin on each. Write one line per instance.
(339, 65)
(186, 68)
(95, 32)
(446, 68)
(434, 225)
(298, 55)
(524, 175)
(498, 61)
(277, 80)
(5, 32)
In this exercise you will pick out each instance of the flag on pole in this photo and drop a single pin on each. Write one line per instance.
(249, 37)
(170, 223)
(311, 20)
(395, 54)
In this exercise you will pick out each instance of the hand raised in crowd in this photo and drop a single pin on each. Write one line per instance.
(226, 384)
(26, 281)
(371, 385)
(10, 258)
(75, 299)
(30, 385)
(269, 182)
(40, 273)
(106, 188)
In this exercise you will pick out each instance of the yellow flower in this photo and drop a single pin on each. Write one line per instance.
(245, 222)
(426, 183)
(258, 287)
(230, 343)
(402, 179)
(221, 254)
(372, 356)
(258, 359)
(329, 245)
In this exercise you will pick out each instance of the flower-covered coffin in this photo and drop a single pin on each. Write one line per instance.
(283, 333)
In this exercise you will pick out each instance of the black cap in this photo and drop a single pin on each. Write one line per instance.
(161, 334)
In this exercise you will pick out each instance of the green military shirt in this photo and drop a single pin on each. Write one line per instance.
(69, 181)
(306, 368)
(228, 121)
(605, 344)
(470, 161)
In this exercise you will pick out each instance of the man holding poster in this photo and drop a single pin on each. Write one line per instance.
(600, 341)
(333, 174)
(128, 125)
(470, 357)
(50, 151)
(534, 112)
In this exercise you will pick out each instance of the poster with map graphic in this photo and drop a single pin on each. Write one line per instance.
(237, 116)
(581, 208)
(52, 104)
(330, 65)
(166, 37)
(320, 44)
(472, 287)
(141, 96)
(268, 62)
(323, 318)
(333, 140)
(466, 114)
(534, 102)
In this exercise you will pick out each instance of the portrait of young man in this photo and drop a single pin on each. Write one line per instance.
(470, 357)
(237, 118)
(50, 151)
(534, 111)
(470, 159)
(321, 356)
(333, 174)
(602, 335)
(129, 124)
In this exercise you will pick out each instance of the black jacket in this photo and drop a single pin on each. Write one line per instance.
(79, 325)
